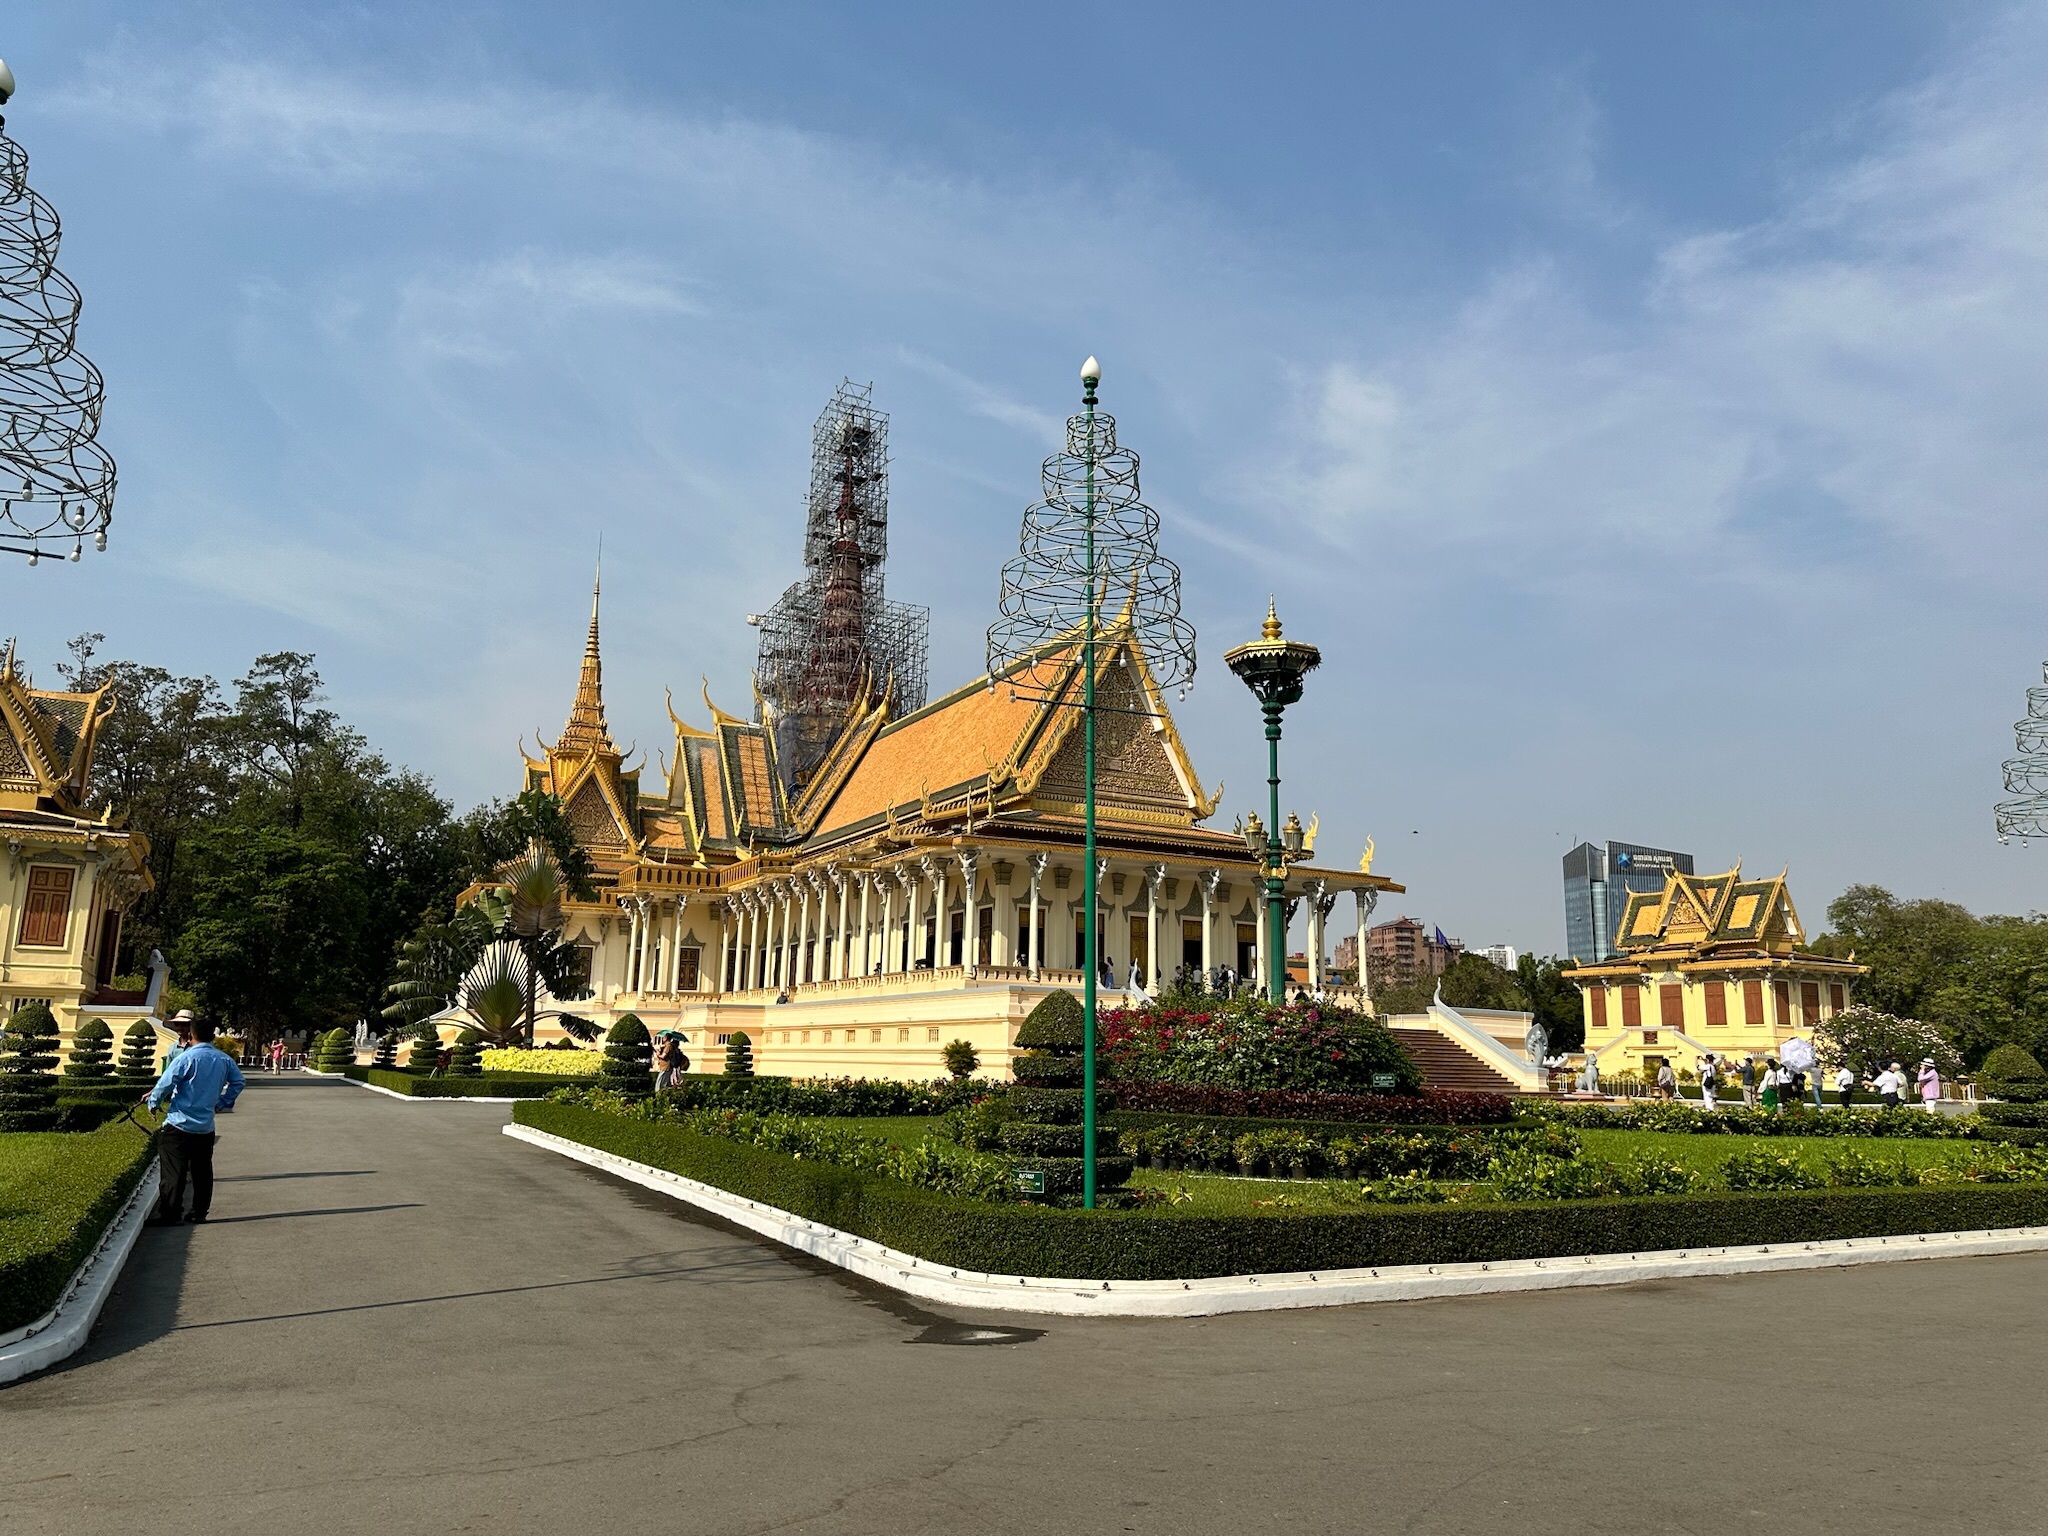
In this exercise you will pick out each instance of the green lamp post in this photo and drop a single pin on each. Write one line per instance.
(1273, 667)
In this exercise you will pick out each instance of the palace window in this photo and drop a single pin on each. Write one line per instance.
(1753, 1004)
(1596, 999)
(874, 1037)
(725, 1039)
(1835, 1002)
(1782, 991)
(902, 1036)
(1631, 1006)
(1671, 1006)
(804, 1038)
(1717, 1003)
(688, 958)
(1809, 1003)
(932, 1034)
(47, 912)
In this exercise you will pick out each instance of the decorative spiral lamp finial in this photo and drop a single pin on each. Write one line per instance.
(1270, 630)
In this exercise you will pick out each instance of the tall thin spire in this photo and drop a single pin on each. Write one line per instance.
(586, 728)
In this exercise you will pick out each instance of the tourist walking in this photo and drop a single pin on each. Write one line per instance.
(277, 1056)
(1771, 1083)
(1710, 1078)
(1667, 1082)
(1748, 1078)
(1891, 1086)
(200, 1082)
(1845, 1087)
(1930, 1087)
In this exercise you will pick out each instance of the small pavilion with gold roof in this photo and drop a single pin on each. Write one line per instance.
(1709, 963)
(923, 884)
(71, 876)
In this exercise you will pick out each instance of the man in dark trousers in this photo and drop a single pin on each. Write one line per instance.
(199, 1082)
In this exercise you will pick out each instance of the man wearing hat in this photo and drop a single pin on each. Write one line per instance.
(199, 1080)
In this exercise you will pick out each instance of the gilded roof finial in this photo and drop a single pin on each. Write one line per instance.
(1271, 629)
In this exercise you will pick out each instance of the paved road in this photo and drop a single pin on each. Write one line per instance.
(402, 1321)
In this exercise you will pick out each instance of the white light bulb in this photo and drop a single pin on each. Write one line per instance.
(1091, 372)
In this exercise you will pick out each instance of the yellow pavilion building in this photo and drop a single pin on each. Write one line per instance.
(923, 884)
(71, 876)
(1709, 963)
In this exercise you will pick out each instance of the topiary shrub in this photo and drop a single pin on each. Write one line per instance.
(28, 1075)
(137, 1066)
(386, 1056)
(92, 1055)
(334, 1050)
(1045, 1130)
(627, 1068)
(426, 1050)
(465, 1059)
(739, 1055)
(960, 1058)
(2011, 1073)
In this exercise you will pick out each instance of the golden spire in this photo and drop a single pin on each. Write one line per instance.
(586, 729)
(1270, 630)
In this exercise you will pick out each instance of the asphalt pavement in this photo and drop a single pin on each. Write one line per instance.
(400, 1320)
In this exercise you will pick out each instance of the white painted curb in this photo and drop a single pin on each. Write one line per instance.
(1264, 1293)
(436, 1098)
(61, 1332)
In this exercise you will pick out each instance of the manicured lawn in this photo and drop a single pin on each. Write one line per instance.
(904, 1130)
(58, 1190)
(1705, 1154)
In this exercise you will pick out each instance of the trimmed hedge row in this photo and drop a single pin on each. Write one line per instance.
(1432, 1106)
(2033, 1116)
(1159, 1244)
(77, 1184)
(1656, 1115)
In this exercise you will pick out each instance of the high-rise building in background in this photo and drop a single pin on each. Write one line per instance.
(1502, 955)
(1597, 884)
(1407, 948)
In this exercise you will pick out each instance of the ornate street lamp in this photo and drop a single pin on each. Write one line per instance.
(56, 482)
(1092, 541)
(1273, 667)
(2026, 776)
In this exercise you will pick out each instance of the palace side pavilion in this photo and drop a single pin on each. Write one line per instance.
(923, 885)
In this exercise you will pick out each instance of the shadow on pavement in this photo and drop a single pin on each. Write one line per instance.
(322, 1173)
(330, 1210)
(143, 1305)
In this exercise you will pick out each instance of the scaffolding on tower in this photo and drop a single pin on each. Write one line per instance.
(833, 640)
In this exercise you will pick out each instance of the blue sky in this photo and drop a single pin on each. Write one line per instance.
(1644, 411)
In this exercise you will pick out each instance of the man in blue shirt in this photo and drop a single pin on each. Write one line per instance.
(199, 1082)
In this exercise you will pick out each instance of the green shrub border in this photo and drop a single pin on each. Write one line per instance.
(522, 1085)
(1238, 1125)
(39, 1253)
(1160, 1244)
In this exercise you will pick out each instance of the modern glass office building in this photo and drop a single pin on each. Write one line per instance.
(1597, 883)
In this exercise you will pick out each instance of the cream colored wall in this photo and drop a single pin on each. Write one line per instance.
(63, 975)
(1618, 1047)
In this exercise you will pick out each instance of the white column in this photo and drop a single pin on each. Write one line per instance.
(1035, 960)
(1366, 900)
(906, 877)
(970, 950)
(842, 942)
(937, 875)
(1155, 883)
(867, 937)
(1210, 880)
(724, 942)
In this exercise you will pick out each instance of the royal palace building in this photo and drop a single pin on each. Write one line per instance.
(1708, 963)
(922, 881)
(71, 875)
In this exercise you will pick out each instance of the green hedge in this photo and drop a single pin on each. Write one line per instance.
(2032, 1116)
(57, 1194)
(1238, 1125)
(1157, 1244)
(523, 1085)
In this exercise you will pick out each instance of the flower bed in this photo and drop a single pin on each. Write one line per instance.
(58, 1192)
(1166, 1242)
(547, 1063)
(1248, 1043)
(1432, 1106)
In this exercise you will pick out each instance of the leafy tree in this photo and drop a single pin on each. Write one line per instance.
(137, 1067)
(433, 961)
(1473, 981)
(92, 1054)
(1866, 1041)
(960, 1058)
(739, 1055)
(501, 831)
(1547, 993)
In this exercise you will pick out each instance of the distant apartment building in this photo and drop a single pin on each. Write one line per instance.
(1597, 885)
(1406, 947)
(1502, 955)
(1344, 958)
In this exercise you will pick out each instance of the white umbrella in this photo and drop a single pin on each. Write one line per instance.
(1796, 1054)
